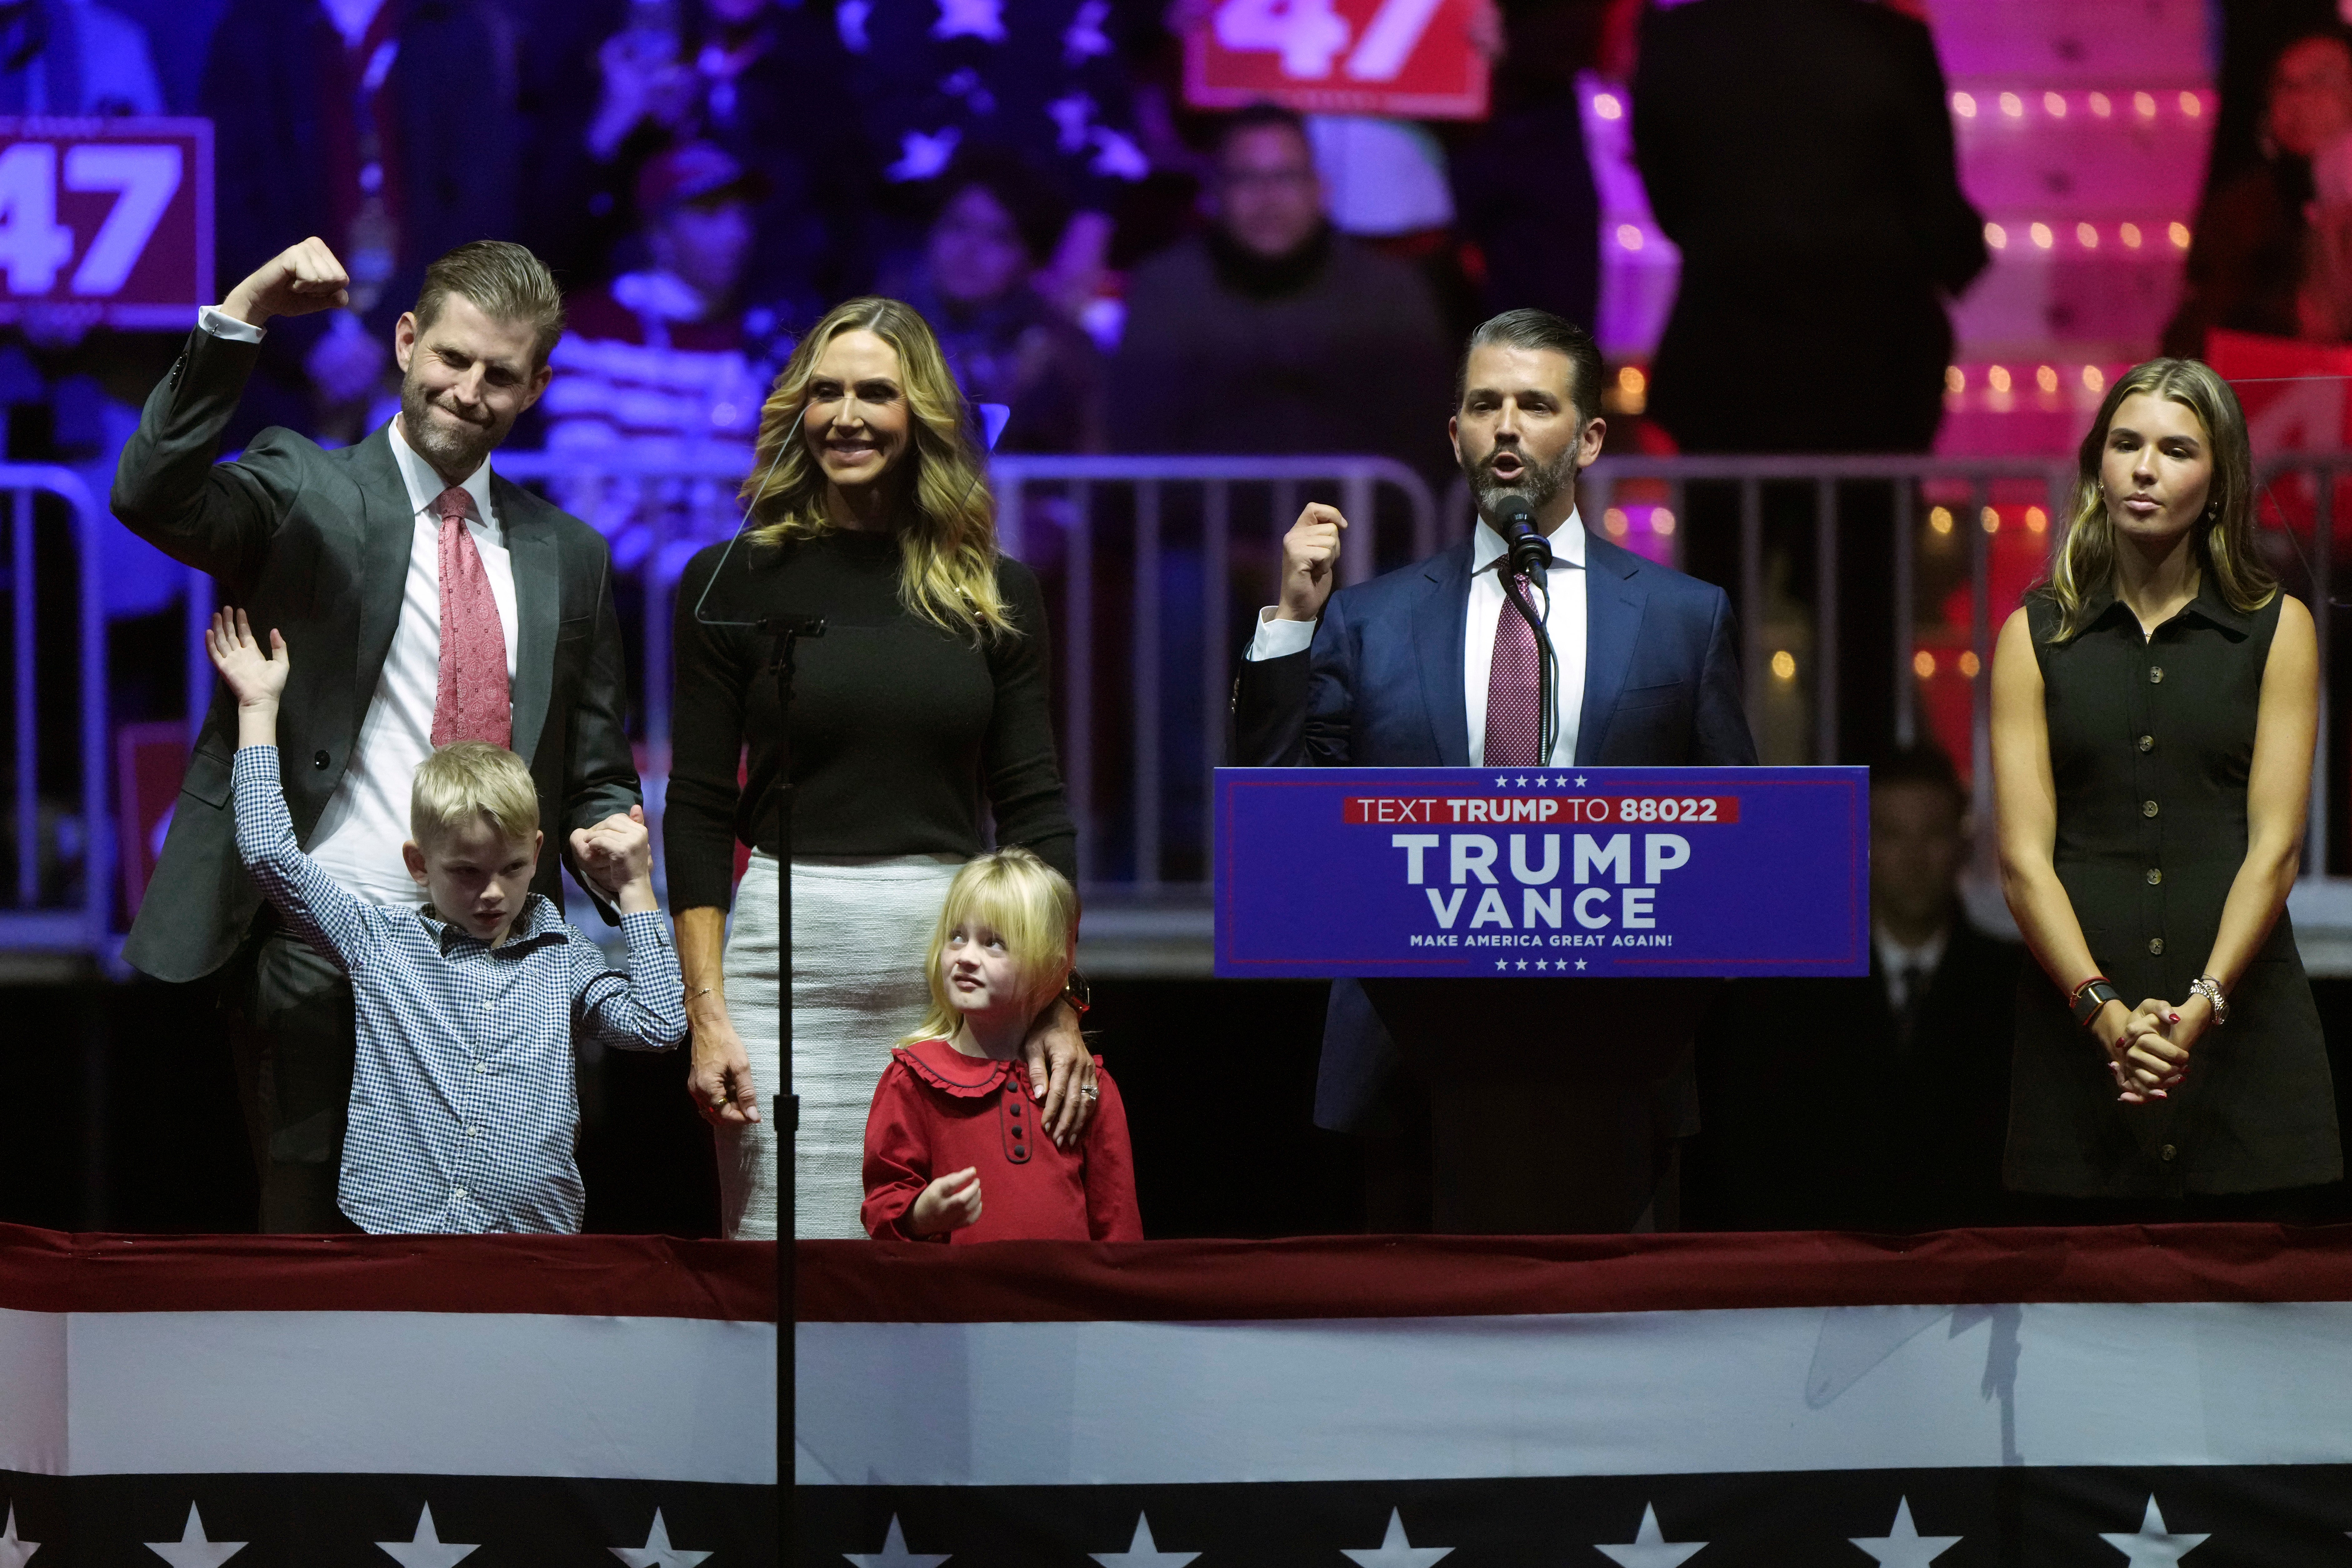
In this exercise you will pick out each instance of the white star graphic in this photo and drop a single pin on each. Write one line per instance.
(1143, 1551)
(894, 1553)
(1523, 781)
(1395, 1550)
(1541, 780)
(1579, 963)
(193, 1550)
(970, 19)
(657, 1552)
(1522, 963)
(1541, 964)
(14, 1551)
(1903, 1546)
(2153, 1545)
(1579, 781)
(1649, 1548)
(426, 1549)
(1502, 964)
(1500, 781)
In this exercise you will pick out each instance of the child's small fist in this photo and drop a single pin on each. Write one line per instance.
(951, 1203)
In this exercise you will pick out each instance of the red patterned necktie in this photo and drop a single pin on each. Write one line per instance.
(473, 703)
(1514, 686)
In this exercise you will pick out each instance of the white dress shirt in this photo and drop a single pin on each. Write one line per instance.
(1565, 583)
(1901, 963)
(358, 838)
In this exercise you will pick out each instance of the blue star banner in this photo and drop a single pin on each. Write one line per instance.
(317, 1402)
(2111, 1398)
(1583, 873)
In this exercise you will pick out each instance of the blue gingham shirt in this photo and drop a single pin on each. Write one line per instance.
(464, 1100)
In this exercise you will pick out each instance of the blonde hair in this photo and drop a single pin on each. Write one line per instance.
(2224, 541)
(469, 780)
(947, 571)
(505, 281)
(1028, 904)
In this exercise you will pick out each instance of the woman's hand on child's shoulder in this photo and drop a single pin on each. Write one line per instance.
(951, 1203)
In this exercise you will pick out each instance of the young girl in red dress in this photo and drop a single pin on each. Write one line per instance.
(953, 1148)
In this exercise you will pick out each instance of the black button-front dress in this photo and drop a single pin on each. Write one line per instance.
(2151, 742)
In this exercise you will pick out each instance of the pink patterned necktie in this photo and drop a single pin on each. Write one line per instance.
(473, 702)
(1514, 688)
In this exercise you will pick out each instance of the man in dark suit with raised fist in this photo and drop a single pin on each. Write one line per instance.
(426, 600)
(1550, 1105)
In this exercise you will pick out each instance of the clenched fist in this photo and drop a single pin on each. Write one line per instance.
(1310, 561)
(298, 280)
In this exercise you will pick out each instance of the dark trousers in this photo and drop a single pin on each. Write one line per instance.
(1535, 1107)
(293, 1035)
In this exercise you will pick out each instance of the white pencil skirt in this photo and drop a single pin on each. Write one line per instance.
(860, 930)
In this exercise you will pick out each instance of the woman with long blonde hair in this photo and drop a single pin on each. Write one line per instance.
(2155, 706)
(923, 702)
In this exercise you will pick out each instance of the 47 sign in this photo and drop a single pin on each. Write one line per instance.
(1408, 57)
(109, 219)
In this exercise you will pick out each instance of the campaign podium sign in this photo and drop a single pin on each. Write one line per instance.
(1411, 58)
(1585, 872)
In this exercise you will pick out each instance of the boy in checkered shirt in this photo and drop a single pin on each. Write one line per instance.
(464, 1105)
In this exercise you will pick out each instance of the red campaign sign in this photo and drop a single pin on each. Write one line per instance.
(1538, 810)
(1412, 58)
(108, 220)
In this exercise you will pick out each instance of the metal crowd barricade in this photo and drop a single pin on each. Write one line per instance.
(30, 923)
(1022, 483)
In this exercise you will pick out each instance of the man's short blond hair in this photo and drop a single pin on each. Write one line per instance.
(506, 283)
(469, 781)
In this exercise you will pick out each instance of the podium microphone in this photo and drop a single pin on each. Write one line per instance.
(1530, 551)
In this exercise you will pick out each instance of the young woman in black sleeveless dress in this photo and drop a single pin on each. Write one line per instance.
(2155, 707)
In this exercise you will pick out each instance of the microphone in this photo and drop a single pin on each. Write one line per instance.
(1530, 551)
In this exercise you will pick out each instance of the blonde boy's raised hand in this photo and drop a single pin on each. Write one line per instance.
(255, 678)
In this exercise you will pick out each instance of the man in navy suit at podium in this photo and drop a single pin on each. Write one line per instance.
(1508, 1105)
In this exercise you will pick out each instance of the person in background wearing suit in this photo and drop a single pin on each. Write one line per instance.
(1815, 1093)
(429, 601)
(1550, 1105)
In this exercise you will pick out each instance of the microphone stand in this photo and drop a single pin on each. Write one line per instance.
(1532, 553)
(787, 631)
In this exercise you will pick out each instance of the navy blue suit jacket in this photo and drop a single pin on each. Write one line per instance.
(1381, 687)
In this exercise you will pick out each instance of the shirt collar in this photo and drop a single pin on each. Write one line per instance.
(425, 486)
(538, 921)
(2210, 605)
(1567, 543)
(1897, 958)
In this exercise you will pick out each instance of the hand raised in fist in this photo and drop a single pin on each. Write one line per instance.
(1310, 560)
(298, 280)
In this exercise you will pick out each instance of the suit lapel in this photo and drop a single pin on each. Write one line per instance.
(387, 536)
(538, 605)
(1440, 620)
(1613, 621)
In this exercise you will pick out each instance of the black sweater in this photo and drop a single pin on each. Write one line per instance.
(900, 731)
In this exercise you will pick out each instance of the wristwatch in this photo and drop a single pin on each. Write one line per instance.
(2090, 996)
(2205, 985)
(1078, 994)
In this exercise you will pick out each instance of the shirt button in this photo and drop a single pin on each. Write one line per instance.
(318, 759)
(2156, 675)
(2156, 946)
(2154, 876)
(482, 1066)
(472, 1132)
(2147, 742)
(2148, 808)
(2169, 1150)
(456, 1191)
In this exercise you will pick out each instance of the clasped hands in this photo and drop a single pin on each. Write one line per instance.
(2147, 1050)
(617, 855)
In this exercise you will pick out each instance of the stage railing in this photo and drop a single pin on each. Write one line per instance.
(1152, 567)
(61, 893)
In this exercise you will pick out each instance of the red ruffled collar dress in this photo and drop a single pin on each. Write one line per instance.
(938, 1110)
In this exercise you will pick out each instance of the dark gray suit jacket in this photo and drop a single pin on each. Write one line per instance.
(316, 544)
(1381, 687)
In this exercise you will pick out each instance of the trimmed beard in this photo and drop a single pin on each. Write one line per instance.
(1537, 485)
(461, 455)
